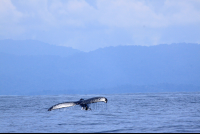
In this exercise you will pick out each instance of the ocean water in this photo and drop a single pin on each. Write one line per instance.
(139, 112)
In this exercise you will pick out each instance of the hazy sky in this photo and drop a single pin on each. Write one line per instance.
(91, 24)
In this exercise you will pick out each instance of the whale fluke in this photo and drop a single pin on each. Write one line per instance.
(83, 103)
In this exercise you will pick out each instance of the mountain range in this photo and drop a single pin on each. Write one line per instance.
(35, 68)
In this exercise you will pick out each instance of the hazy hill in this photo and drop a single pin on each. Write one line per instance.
(33, 47)
(122, 69)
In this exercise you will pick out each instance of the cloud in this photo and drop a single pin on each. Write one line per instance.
(9, 18)
(72, 12)
(119, 13)
(131, 13)
(182, 12)
(127, 14)
(112, 13)
(8, 12)
(92, 24)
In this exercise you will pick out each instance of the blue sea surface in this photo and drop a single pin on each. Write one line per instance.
(124, 113)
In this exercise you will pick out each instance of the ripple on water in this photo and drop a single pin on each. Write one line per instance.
(159, 112)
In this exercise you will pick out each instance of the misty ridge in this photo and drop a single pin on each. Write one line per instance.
(34, 68)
